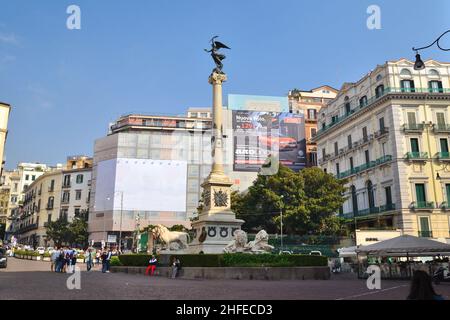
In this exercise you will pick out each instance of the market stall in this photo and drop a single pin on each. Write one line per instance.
(399, 257)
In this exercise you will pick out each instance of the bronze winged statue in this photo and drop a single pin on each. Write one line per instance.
(217, 57)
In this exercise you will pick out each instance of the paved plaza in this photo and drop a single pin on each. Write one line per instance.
(25, 279)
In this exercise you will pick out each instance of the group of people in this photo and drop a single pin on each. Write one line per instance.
(64, 259)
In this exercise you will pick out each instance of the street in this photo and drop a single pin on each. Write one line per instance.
(25, 279)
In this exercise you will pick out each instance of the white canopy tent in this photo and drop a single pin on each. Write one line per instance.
(404, 246)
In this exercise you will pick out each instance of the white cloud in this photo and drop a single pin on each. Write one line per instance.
(9, 38)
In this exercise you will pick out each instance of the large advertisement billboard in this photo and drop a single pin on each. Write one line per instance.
(147, 185)
(259, 135)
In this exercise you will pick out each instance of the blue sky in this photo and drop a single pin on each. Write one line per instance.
(65, 86)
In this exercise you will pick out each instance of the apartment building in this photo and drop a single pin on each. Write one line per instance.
(388, 135)
(308, 103)
(61, 192)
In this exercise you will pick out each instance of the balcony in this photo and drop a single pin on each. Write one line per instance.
(426, 234)
(441, 128)
(416, 156)
(422, 205)
(444, 206)
(369, 211)
(381, 133)
(387, 207)
(443, 156)
(364, 167)
(66, 185)
(413, 127)
(51, 189)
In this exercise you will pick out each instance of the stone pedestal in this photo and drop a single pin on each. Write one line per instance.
(216, 224)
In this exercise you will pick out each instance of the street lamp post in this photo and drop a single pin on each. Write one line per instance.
(281, 221)
(419, 64)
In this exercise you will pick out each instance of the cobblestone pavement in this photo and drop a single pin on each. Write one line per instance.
(25, 279)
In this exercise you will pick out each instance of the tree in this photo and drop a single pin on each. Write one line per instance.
(308, 200)
(58, 231)
(78, 232)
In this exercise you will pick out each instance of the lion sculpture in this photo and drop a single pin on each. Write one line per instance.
(238, 244)
(173, 240)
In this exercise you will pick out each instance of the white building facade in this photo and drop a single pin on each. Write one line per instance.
(388, 134)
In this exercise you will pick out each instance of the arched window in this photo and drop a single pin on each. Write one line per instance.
(379, 91)
(363, 101)
(354, 200)
(433, 73)
(370, 194)
(405, 73)
(50, 202)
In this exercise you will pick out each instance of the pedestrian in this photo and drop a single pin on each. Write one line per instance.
(422, 288)
(108, 259)
(54, 260)
(151, 266)
(97, 256)
(73, 259)
(104, 256)
(88, 257)
(60, 260)
(176, 266)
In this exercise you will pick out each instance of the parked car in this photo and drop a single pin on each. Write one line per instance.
(3, 258)
(40, 250)
(50, 250)
(315, 253)
(285, 252)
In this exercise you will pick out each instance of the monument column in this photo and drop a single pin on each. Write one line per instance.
(216, 223)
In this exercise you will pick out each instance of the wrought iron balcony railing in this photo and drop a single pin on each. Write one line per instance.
(417, 155)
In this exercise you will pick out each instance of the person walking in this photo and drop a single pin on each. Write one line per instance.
(422, 288)
(176, 266)
(88, 257)
(98, 255)
(73, 259)
(151, 266)
(104, 256)
(60, 260)
(108, 259)
(54, 260)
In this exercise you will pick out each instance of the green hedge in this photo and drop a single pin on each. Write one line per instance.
(232, 260)
(115, 261)
(135, 260)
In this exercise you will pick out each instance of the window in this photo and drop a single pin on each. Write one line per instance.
(80, 178)
(354, 200)
(337, 169)
(370, 194)
(379, 91)
(440, 117)
(66, 197)
(435, 86)
(323, 153)
(49, 218)
(27, 177)
(433, 73)
(411, 118)
(312, 114)
(420, 194)
(405, 73)
(349, 141)
(366, 154)
(407, 86)
(388, 193)
(78, 195)
(364, 131)
(363, 101)
(336, 149)
(66, 181)
(313, 132)
(414, 145)
(351, 163)
(381, 123)
(33, 177)
(77, 212)
(50, 203)
(379, 77)
(447, 189)
(348, 109)
(444, 145)
(424, 227)
(52, 185)
(64, 214)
